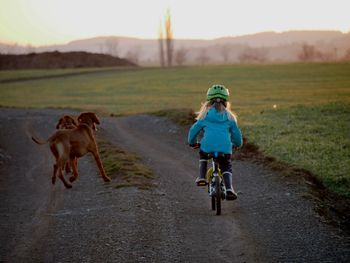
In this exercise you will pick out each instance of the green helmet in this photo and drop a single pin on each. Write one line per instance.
(218, 91)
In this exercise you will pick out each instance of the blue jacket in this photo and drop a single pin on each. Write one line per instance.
(220, 132)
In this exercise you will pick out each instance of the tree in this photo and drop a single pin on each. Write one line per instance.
(169, 38)
(180, 56)
(311, 53)
(253, 55)
(111, 45)
(203, 57)
(308, 53)
(347, 55)
(12, 49)
(29, 49)
(161, 45)
(225, 52)
(133, 55)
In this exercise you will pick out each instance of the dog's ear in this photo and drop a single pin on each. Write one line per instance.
(90, 115)
(73, 121)
(94, 118)
(81, 117)
(59, 123)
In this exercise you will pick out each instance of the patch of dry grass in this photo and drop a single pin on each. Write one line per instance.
(125, 168)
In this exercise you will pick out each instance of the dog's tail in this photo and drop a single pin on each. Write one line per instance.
(31, 133)
(38, 141)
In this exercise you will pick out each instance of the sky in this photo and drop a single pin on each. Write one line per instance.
(47, 22)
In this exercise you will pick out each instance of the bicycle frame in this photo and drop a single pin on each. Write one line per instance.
(215, 181)
(215, 177)
(214, 170)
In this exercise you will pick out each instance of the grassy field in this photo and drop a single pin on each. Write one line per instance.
(11, 75)
(297, 113)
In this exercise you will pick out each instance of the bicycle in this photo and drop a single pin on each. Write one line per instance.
(215, 180)
(216, 186)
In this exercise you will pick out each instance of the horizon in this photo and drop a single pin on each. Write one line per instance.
(39, 23)
(185, 39)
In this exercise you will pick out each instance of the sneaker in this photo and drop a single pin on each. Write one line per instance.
(201, 181)
(231, 194)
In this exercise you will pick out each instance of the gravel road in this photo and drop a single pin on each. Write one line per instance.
(272, 220)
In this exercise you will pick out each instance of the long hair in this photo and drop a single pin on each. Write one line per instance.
(202, 113)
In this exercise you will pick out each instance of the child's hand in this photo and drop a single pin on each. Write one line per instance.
(195, 145)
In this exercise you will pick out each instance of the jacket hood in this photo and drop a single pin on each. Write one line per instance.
(216, 116)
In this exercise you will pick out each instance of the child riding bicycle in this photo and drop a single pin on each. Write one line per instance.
(221, 134)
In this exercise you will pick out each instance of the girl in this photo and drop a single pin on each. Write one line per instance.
(221, 133)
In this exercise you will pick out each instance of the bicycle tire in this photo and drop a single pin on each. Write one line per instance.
(218, 195)
(213, 206)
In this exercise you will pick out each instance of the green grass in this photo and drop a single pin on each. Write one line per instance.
(315, 138)
(8, 75)
(253, 88)
(124, 168)
(307, 127)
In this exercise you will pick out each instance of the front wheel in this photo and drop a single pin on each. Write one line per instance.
(218, 195)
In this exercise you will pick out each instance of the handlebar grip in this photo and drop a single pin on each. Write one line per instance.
(195, 145)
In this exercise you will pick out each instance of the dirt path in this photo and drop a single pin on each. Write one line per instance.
(272, 221)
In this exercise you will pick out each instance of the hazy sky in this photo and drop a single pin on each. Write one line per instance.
(43, 22)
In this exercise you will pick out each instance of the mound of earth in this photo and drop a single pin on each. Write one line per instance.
(51, 60)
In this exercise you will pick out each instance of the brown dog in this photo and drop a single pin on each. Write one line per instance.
(68, 144)
(67, 122)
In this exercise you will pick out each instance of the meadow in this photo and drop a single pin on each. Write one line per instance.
(13, 75)
(296, 113)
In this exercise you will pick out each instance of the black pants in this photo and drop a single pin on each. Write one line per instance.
(225, 166)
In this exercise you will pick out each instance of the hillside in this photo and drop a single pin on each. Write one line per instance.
(52, 60)
(271, 46)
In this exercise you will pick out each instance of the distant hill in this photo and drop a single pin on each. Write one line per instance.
(284, 46)
(51, 60)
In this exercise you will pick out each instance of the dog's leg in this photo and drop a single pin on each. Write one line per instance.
(100, 166)
(61, 164)
(68, 168)
(60, 175)
(53, 179)
(55, 167)
(73, 164)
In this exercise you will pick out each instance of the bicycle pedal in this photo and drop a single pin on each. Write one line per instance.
(202, 183)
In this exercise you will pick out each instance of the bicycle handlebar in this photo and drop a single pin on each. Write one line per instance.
(198, 145)
(195, 145)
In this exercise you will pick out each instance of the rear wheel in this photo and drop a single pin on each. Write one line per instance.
(212, 203)
(218, 195)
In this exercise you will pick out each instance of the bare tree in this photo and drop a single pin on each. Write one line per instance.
(133, 55)
(325, 56)
(161, 46)
(347, 55)
(203, 57)
(253, 55)
(169, 38)
(311, 53)
(12, 49)
(29, 49)
(111, 45)
(308, 53)
(225, 52)
(180, 56)
(101, 47)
